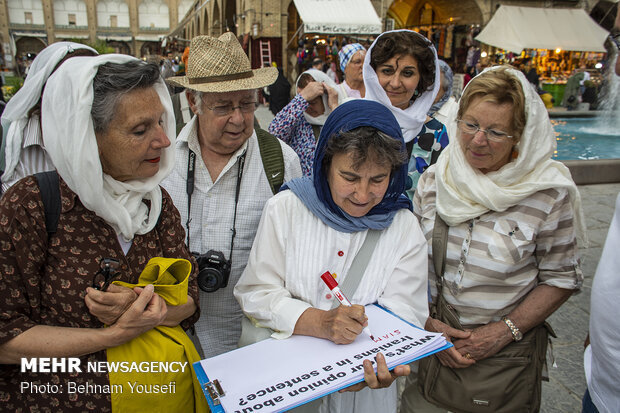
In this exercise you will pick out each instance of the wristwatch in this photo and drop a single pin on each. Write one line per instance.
(517, 335)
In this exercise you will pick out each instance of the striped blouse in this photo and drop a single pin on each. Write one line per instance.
(33, 158)
(496, 259)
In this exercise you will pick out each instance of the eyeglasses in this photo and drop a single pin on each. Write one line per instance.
(108, 271)
(491, 134)
(225, 110)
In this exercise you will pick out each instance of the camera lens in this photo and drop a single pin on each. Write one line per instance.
(209, 280)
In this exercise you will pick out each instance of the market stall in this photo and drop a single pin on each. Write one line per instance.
(558, 41)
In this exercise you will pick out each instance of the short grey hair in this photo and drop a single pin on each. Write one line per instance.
(112, 82)
(199, 96)
(366, 144)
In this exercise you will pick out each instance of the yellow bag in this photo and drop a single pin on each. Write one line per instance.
(149, 386)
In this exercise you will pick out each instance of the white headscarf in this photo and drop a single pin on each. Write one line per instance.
(413, 118)
(15, 115)
(320, 77)
(70, 140)
(464, 193)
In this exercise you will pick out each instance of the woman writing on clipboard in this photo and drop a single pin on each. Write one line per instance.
(321, 223)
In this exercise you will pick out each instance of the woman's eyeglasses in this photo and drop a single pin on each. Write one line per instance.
(491, 134)
(225, 110)
(108, 271)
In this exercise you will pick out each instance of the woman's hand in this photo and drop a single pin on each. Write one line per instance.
(383, 378)
(340, 325)
(147, 311)
(312, 91)
(109, 305)
(484, 341)
(343, 324)
(332, 97)
(450, 357)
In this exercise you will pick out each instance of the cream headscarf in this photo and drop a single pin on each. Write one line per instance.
(71, 143)
(15, 115)
(464, 193)
(320, 77)
(413, 118)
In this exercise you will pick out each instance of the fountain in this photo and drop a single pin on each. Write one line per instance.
(605, 129)
(593, 138)
(608, 121)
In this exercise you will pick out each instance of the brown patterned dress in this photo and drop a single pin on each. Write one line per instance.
(44, 282)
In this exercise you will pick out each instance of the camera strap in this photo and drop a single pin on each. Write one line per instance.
(189, 188)
(191, 168)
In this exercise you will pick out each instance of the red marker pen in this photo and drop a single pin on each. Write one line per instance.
(332, 284)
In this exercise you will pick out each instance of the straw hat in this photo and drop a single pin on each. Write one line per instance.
(220, 65)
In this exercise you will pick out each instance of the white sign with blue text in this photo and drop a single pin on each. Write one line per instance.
(276, 375)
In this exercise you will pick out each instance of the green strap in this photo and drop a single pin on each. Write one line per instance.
(439, 246)
(439, 250)
(273, 159)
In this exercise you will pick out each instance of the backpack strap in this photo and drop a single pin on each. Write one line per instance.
(49, 185)
(272, 157)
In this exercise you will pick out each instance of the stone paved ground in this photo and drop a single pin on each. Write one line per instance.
(563, 392)
(263, 116)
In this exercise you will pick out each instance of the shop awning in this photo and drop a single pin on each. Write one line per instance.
(516, 28)
(338, 16)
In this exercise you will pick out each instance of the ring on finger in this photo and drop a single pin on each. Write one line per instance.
(468, 356)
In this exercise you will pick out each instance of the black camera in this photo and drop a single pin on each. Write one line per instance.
(213, 270)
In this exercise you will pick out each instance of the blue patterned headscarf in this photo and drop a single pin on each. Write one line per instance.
(346, 53)
(314, 192)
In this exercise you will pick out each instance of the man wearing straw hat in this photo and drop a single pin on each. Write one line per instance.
(220, 181)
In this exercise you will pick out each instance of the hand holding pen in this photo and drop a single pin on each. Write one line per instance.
(331, 283)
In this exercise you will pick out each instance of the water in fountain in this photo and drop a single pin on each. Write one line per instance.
(609, 119)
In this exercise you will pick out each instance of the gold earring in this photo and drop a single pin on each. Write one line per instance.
(515, 153)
